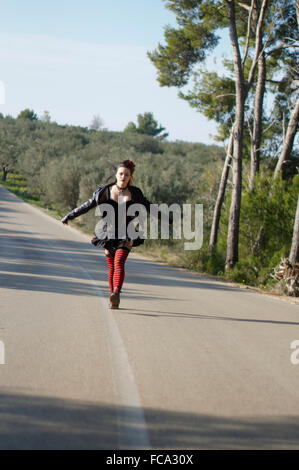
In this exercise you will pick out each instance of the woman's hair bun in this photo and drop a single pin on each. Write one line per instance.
(130, 164)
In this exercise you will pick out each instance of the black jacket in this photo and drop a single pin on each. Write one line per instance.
(97, 199)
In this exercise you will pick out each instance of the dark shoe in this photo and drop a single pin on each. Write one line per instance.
(114, 300)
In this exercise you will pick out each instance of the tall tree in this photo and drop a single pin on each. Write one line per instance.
(242, 90)
(234, 215)
(269, 43)
(188, 45)
(259, 97)
(221, 194)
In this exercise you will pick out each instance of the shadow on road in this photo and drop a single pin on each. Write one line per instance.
(33, 422)
(60, 266)
(53, 265)
(164, 313)
(31, 263)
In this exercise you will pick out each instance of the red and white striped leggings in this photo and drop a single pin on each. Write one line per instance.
(116, 268)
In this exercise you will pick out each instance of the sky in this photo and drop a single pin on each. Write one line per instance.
(79, 59)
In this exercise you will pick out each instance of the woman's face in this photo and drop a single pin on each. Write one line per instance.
(123, 175)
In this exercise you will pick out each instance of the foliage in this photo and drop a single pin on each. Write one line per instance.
(63, 165)
(265, 233)
(146, 125)
(28, 114)
(266, 228)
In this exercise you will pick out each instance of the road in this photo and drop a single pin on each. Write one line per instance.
(186, 362)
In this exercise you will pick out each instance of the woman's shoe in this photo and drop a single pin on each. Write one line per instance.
(114, 300)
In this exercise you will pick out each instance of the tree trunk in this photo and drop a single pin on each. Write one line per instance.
(258, 48)
(221, 193)
(4, 174)
(260, 61)
(289, 139)
(258, 120)
(234, 216)
(294, 253)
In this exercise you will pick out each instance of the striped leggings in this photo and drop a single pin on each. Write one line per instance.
(116, 269)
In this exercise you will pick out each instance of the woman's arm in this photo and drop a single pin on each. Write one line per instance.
(85, 207)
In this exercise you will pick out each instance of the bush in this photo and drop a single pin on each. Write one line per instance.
(60, 180)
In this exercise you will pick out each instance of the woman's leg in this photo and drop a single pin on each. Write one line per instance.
(110, 262)
(120, 258)
(117, 271)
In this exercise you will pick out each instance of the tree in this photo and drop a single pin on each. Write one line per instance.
(234, 215)
(214, 95)
(10, 145)
(242, 90)
(61, 179)
(288, 140)
(7, 158)
(97, 123)
(46, 117)
(198, 22)
(146, 124)
(282, 56)
(28, 114)
(221, 194)
(256, 136)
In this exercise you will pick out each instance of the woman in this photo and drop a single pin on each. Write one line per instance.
(117, 248)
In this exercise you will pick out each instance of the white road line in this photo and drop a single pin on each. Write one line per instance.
(131, 424)
(132, 432)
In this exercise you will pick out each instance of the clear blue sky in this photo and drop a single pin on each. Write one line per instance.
(79, 59)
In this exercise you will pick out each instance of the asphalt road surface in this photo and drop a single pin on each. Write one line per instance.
(185, 363)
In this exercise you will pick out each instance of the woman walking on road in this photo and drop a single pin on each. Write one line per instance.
(118, 246)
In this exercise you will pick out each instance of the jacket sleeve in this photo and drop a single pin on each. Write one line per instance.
(85, 207)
